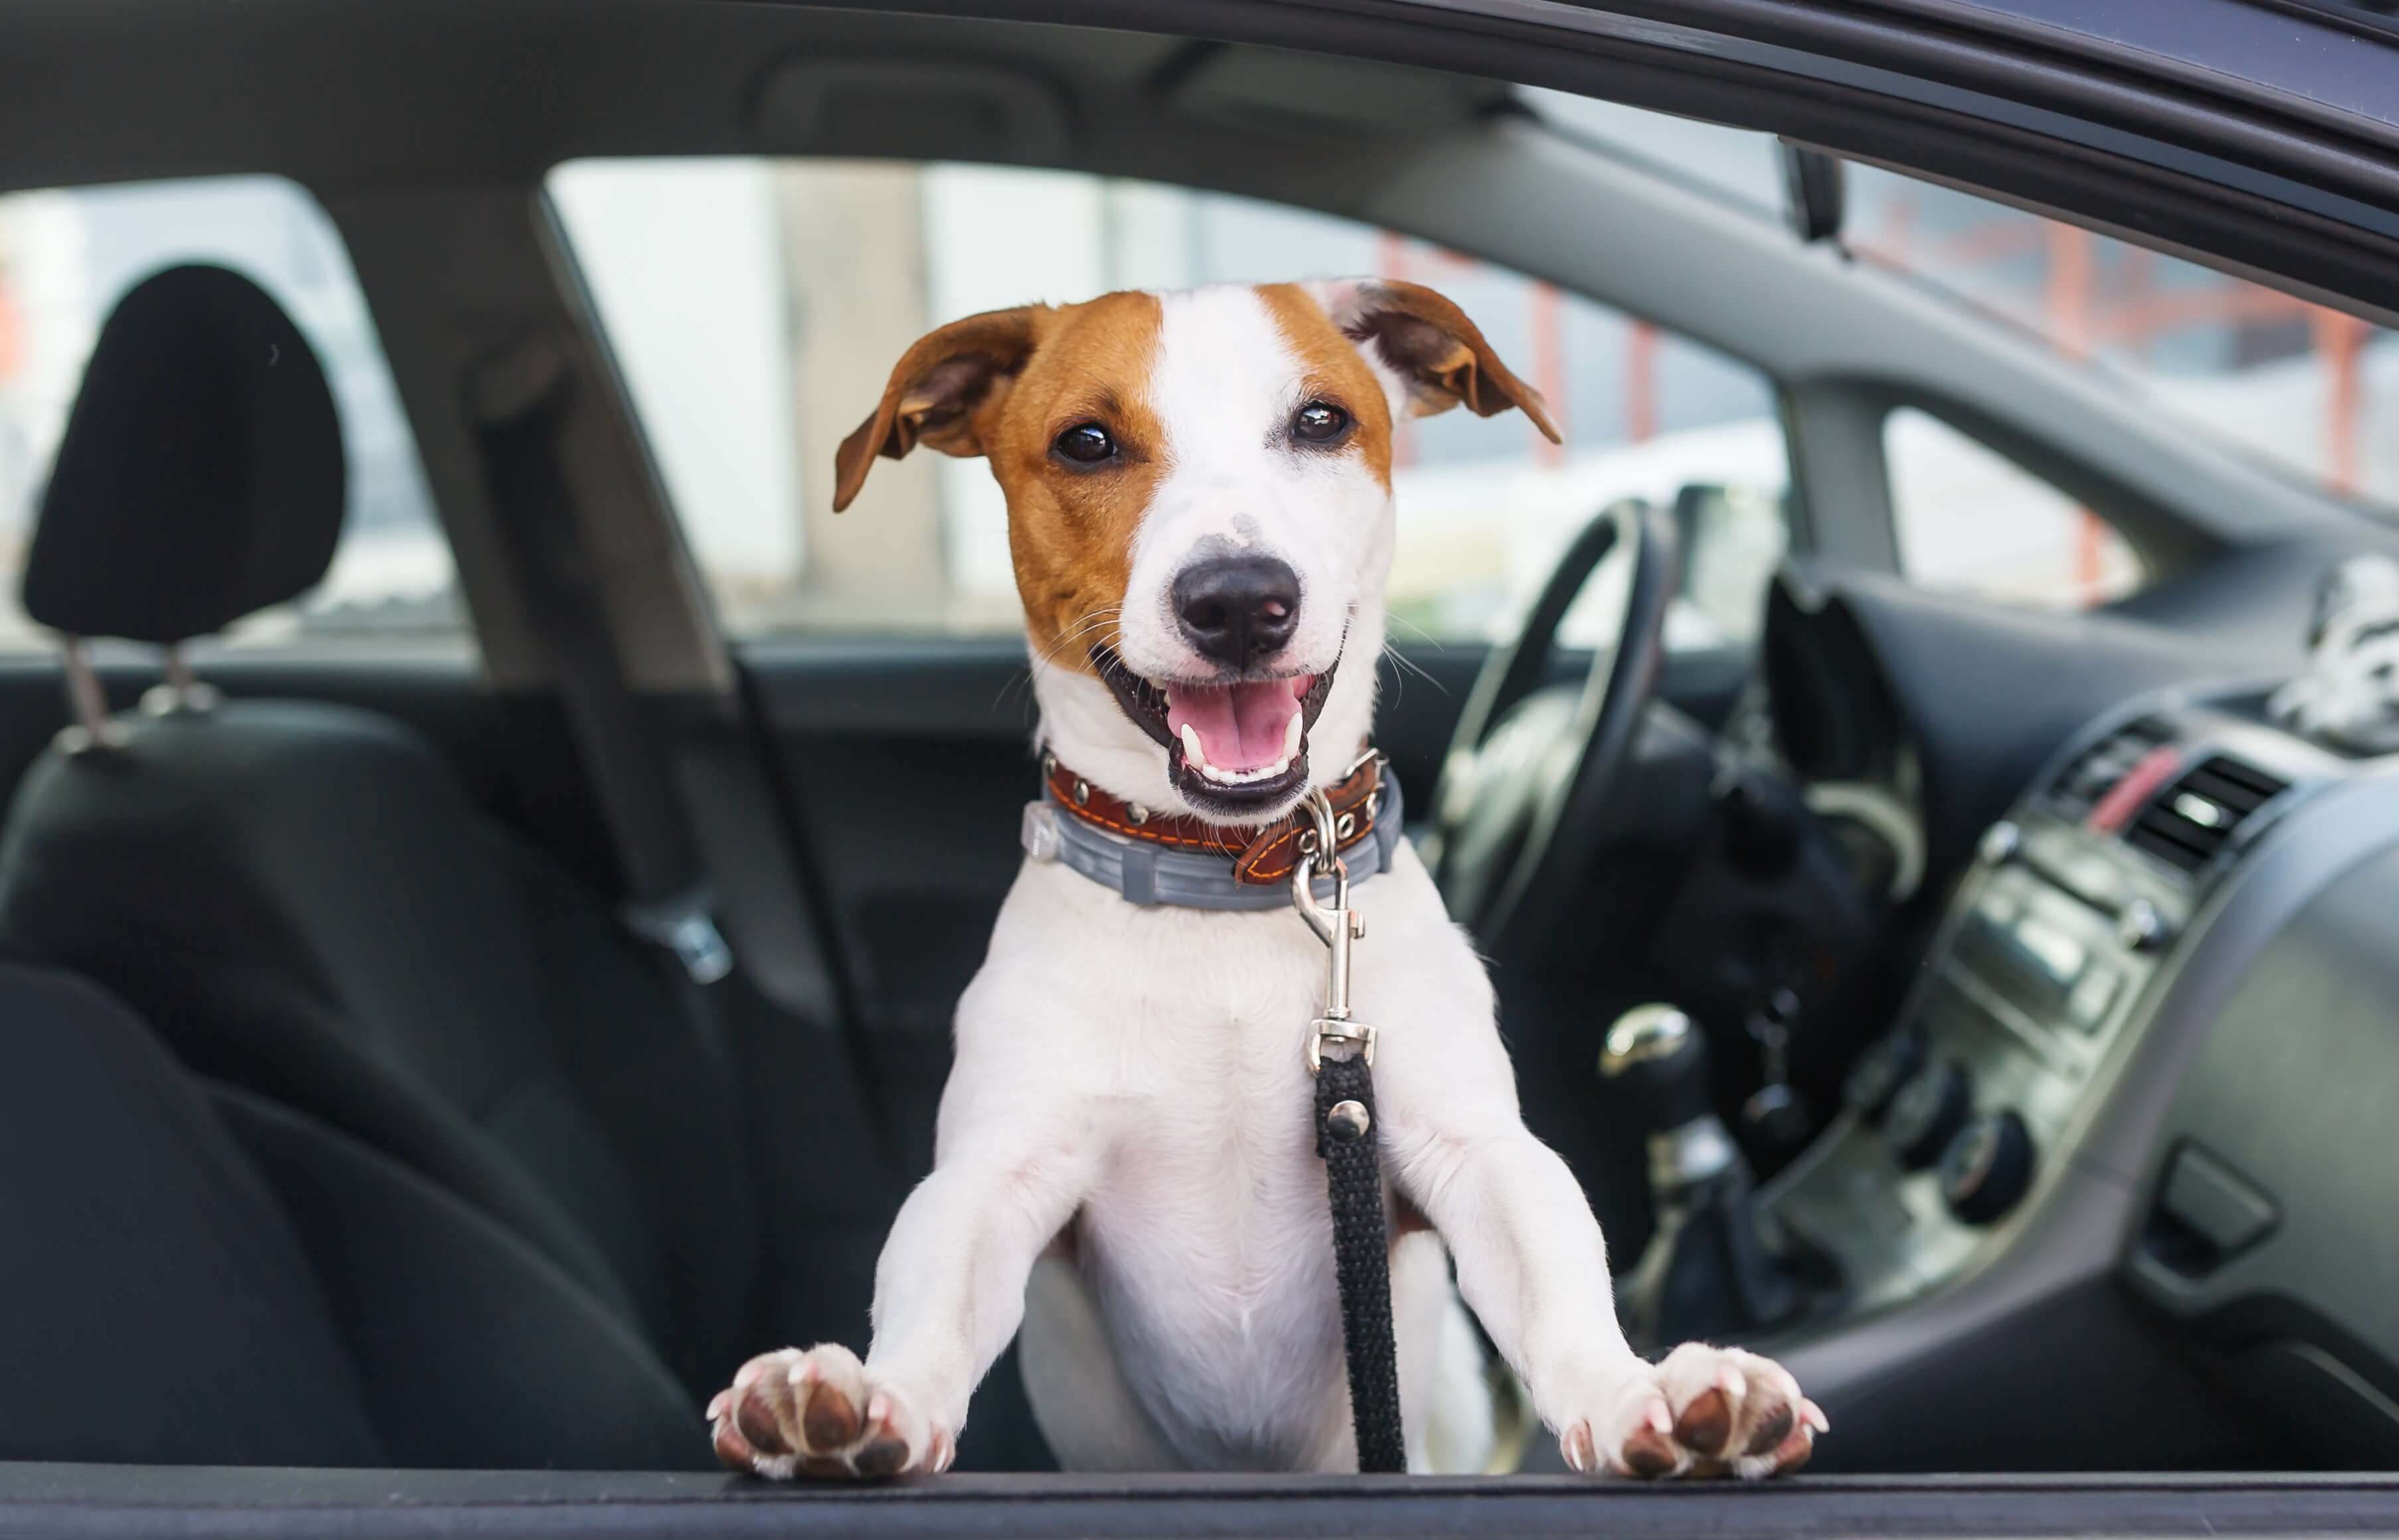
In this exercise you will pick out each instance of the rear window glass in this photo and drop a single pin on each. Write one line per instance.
(68, 254)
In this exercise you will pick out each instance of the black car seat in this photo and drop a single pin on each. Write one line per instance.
(238, 1285)
(300, 897)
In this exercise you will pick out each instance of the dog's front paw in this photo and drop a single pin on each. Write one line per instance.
(822, 1414)
(1700, 1412)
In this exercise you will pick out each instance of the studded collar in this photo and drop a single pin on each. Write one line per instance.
(1263, 854)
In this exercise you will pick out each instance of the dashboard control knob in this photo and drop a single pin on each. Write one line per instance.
(2141, 927)
(1880, 1072)
(1999, 842)
(1927, 1112)
(1987, 1167)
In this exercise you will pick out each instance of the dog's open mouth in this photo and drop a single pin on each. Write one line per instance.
(1235, 748)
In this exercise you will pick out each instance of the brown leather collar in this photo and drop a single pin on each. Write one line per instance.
(1261, 853)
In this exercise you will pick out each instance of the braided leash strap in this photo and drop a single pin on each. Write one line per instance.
(1347, 1137)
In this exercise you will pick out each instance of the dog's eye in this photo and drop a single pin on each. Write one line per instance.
(1086, 444)
(1319, 423)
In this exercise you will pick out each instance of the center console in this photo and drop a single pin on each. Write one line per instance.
(2036, 991)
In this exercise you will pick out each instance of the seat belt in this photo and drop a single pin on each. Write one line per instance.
(519, 403)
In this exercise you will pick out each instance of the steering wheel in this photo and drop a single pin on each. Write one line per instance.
(1528, 772)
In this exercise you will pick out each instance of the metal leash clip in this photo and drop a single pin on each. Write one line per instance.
(1336, 927)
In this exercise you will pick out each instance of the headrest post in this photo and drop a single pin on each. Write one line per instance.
(92, 727)
(183, 694)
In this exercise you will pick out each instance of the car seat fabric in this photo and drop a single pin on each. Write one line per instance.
(155, 1303)
(301, 900)
(471, 1348)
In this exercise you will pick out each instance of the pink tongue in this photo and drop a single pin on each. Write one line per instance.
(1240, 727)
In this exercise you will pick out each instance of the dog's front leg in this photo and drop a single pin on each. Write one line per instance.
(949, 1293)
(1531, 1263)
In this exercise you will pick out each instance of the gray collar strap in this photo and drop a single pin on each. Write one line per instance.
(1151, 874)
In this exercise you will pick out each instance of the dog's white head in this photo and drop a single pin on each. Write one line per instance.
(1200, 513)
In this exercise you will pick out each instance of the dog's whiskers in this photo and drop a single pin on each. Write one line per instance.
(1083, 626)
(1401, 660)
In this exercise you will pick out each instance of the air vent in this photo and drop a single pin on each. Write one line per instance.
(2099, 767)
(2190, 820)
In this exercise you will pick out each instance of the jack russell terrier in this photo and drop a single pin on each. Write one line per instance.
(1200, 518)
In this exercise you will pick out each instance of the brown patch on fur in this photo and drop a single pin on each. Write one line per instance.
(1428, 339)
(1333, 372)
(940, 393)
(1070, 529)
(1003, 385)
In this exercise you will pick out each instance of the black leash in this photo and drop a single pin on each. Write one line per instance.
(1361, 1257)
(1347, 1139)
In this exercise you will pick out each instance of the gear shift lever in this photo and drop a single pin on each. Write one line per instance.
(1707, 1270)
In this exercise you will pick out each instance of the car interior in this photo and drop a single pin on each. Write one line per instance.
(457, 1044)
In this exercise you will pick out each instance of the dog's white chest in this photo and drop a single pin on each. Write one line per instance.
(1206, 1239)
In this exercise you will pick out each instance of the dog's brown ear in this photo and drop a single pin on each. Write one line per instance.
(941, 392)
(1439, 355)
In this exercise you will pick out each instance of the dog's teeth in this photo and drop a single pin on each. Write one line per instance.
(1192, 753)
(1292, 737)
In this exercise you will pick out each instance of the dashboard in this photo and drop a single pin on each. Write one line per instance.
(2155, 1041)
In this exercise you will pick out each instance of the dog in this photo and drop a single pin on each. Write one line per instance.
(1201, 520)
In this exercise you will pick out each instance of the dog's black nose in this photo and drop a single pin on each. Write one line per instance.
(1236, 609)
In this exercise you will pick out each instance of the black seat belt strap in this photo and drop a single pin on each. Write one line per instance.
(669, 902)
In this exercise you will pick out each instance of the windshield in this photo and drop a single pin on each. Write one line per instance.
(2310, 391)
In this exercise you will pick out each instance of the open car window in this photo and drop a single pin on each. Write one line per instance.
(754, 306)
(2310, 391)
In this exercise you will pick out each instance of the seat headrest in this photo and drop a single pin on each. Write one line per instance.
(201, 474)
